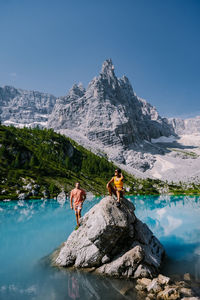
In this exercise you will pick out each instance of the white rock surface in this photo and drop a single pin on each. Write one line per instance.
(113, 241)
(180, 161)
(110, 114)
(186, 126)
(21, 107)
(112, 121)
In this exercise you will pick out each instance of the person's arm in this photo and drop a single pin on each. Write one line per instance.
(71, 198)
(84, 196)
(122, 177)
(109, 182)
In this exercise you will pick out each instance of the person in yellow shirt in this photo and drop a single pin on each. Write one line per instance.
(118, 189)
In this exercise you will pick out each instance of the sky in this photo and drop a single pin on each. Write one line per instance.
(48, 45)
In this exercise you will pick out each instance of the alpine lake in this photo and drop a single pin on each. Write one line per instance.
(30, 230)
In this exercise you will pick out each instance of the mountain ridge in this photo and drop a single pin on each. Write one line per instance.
(109, 119)
(25, 106)
(110, 114)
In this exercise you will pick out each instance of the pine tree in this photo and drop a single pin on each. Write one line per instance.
(52, 189)
(17, 161)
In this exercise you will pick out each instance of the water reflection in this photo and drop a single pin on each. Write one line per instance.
(175, 221)
(49, 284)
(81, 285)
(73, 287)
(67, 285)
(32, 229)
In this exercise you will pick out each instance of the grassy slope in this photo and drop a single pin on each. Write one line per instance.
(50, 162)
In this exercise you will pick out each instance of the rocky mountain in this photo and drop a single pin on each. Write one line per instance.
(37, 163)
(111, 117)
(187, 126)
(108, 111)
(19, 106)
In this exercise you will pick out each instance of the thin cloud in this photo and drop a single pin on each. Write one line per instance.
(160, 212)
(173, 223)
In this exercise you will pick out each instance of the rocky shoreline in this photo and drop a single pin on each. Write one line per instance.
(163, 287)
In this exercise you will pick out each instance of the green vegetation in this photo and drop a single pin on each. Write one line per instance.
(42, 163)
(189, 154)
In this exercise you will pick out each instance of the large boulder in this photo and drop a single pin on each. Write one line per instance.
(112, 241)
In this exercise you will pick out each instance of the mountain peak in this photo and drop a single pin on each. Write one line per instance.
(77, 90)
(108, 68)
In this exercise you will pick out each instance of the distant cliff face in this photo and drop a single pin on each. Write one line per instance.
(187, 126)
(24, 107)
(108, 111)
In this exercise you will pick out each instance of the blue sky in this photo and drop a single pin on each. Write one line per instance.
(48, 45)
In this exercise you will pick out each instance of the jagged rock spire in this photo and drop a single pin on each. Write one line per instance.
(107, 67)
(77, 90)
(110, 112)
(107, 72)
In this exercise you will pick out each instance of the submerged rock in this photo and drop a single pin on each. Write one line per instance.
(22, 196)
(112, 241)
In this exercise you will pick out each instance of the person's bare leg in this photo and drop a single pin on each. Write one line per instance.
(111, 190)
(118, 196)
(77, 218)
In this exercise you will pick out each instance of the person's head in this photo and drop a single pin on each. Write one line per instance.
(77, 185)
(118, 172)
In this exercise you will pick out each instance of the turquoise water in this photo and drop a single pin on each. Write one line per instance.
(31, 230)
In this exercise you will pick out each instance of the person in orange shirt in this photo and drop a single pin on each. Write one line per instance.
(118, 189)
(77, 197)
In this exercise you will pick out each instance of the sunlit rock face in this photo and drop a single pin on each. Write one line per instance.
(107, 117)
(108, 111)
(113, 242)
(187, 126)
(19, 106)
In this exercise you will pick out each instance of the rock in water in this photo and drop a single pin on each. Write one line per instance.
(113, 241)
(61, 198)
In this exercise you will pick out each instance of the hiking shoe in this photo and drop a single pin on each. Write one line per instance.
(118, 204)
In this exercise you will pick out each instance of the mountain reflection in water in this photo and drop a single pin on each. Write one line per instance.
(30, 230)
(175, 221)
